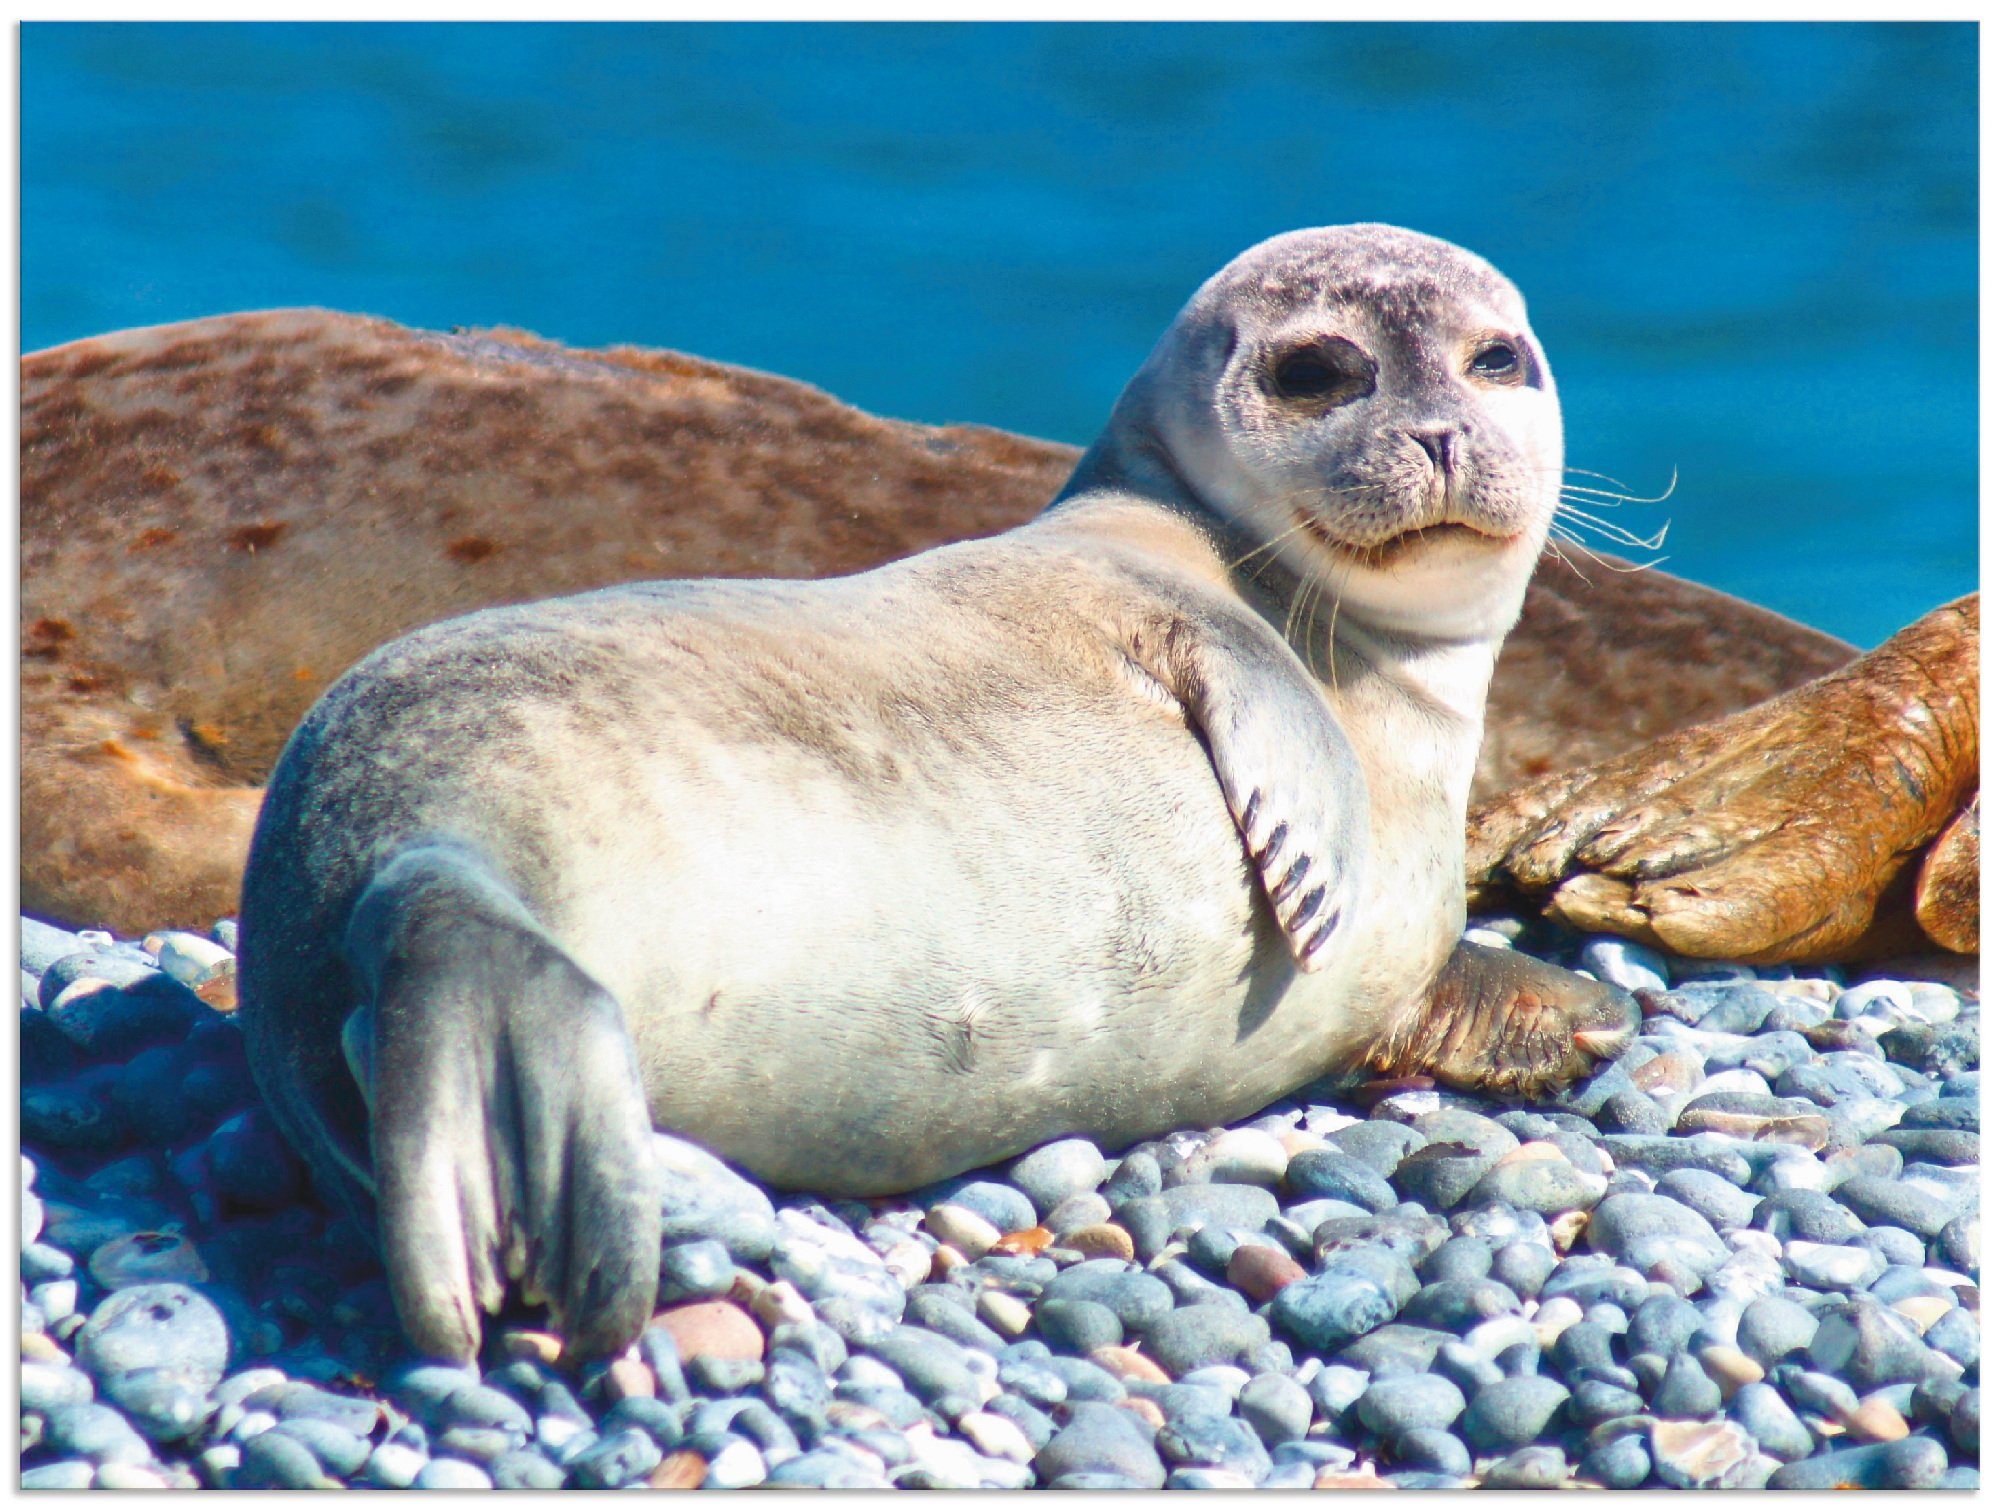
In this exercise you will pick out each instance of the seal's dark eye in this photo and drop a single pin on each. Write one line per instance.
(1324, 373)
(1497, 360)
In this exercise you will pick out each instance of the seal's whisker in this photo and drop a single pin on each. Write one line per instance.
(1673, 481)
(1617, 566)
(1605, 529)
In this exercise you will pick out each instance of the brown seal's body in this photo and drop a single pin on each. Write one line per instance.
(219, 517)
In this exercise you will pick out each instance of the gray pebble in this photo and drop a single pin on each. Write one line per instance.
(1511, 1413)
(695, 1270)
(1644, 1229)
(1102, 1439)
(1277, 1407)
(1193, 1337)
(1764, 1413)
(1394, 1407)
(1621, 1463)
(1912, 1463)
(1136, 1299)
(70, 1474)
(87, 1429)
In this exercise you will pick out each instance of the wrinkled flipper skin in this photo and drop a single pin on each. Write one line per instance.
(1508, 1024)
(1948, 885)
(1286, 768)
(1789, 831)
(508, 1128)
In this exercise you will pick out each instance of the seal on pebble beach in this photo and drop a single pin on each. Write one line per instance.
(219, 517)
(1132, 818)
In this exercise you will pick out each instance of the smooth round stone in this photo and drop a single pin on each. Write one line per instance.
(1831, 1266)
(1623, 963)
(451, 1473)
(1008, 1209)
(1896, 1246)
(1379, 1144)
(701, 1197)
(69, 1117)
(251, 1166)
(1432, 1450)
(1894, 1203)
(48, 1386)
(1763, 1412)
(166, 1404)
(1621, 1463)
(1102, 1439)
(1460, 1258)
(1656, 1156)
(1394, 1407)
(1632, 1111)
(1136, 1299)
(1536, 1177)
(950, 1316)
(1641, 1230)
(1335, 1388)
(1197, 1336)
(1704, 1455)
(1260, 1272)
(1332, 1174)
(1088, 1209)
(1523, 1267)
(1722, 1205)
(522, 1469)
(1686, 1390)
(1439, 1175)
(1078, 1327)
(1956, 1245)
(72, 1474)
(1239, 1155)
(823, 1469)
(1870, 995)
(1209, 1478)
(1529, 1468)
(1277, 1408)
(1595, 1401)
(698, 1270)
(1219, 1441)
(619, 1458)
(281, 1458)
(1511, 1413)
(164, 1326)
(1458, 1305)
(1325, 1310)
(1956, 1335)
(1806, 1215)
(1865, 1343)
(1912, 1463)
(91, 1430)
(1152, 1220)
(1964, 1424)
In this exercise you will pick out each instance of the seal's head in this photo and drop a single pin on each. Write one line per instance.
(1373, 401)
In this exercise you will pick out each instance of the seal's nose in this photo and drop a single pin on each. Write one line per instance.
(1441, 446)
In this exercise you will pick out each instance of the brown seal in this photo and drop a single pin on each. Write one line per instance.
(219, 517)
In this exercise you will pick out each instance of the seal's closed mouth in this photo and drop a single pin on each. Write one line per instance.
(1405, 541)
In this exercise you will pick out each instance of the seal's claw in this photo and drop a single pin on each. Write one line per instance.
(1509, 1024)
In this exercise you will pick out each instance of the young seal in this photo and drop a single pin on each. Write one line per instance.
(863, 882)
(219, 517)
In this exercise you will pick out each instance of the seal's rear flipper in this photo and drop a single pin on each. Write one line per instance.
(1508, 1024)
(508, 1127)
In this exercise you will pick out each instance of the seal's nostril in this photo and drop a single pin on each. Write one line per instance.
(1439, 445)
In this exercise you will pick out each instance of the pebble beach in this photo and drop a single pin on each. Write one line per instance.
(1745, 1254)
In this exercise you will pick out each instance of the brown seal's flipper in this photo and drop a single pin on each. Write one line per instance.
(1948, 885)
(1508, 1024)
(1774, 834)
(507, 1124)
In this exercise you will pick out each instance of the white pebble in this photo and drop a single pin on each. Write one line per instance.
(395, 1465)
(996, 1437)
(965, 1229)
(737, 1466)
(191, 959)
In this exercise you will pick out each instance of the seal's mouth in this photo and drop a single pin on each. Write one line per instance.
(1404, 542)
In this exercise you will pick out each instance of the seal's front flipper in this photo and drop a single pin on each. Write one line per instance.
(1508, 1023)
(1290, 777)
(508, 1128)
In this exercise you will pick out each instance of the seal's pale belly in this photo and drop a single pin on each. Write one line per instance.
(936, 931)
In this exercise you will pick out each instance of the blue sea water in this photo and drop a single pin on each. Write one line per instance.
(1749, 249)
